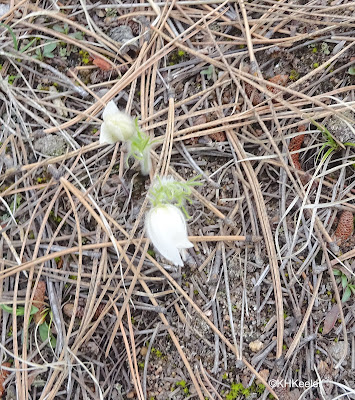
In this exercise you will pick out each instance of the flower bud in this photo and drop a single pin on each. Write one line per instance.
(117, 125)
(166, 228)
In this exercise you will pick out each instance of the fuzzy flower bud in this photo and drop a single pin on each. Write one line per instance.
(117, 125)
(166, 228)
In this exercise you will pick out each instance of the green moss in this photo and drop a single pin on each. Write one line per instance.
(314, 50)
(315, 65)
(258, 389)
(184, 387)
(237, 389)
(157, 352)
(151, 253)
(177, 56)
(55, 218)
(11, 79)
(85, 57)
(41, 179)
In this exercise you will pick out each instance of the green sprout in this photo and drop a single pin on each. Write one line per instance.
(168, 191)
(47, 51)
(330, 141)
(348, 288)
(20, 311)
(65, 29)
(140, 145)
(13, 36)
(45, 330)
(208, 72)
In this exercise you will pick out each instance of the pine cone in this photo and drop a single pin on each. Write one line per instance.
(38, 301)
(3, 375)
(279, 80)
(345, 227)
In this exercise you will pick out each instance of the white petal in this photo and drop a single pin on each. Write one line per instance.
(166, 228)
(106, 135)
(110, 110)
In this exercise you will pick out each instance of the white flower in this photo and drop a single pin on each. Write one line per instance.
(166, 228)
(117, 125)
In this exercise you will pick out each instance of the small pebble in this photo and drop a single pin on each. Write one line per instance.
(144, 351)
(256, 346)
(336, 350)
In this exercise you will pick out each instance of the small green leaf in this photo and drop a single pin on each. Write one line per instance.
(344, 281)
(27, 46)
(19, 311)
(77, 35)
(208, 72)
(58, 28)
(45, 333)
(14, 39)
(351, 71)
(346, 295)
(48, 48)
(336, 272)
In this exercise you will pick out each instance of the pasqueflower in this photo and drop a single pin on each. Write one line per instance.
(166, 228)
(117, 125)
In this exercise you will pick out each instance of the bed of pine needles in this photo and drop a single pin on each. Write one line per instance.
(256, 99)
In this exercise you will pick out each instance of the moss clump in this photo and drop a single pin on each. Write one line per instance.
(237, 389)
(85, 57)
(184, 387)
(55, 218)
(177, 57)
(157, 352)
